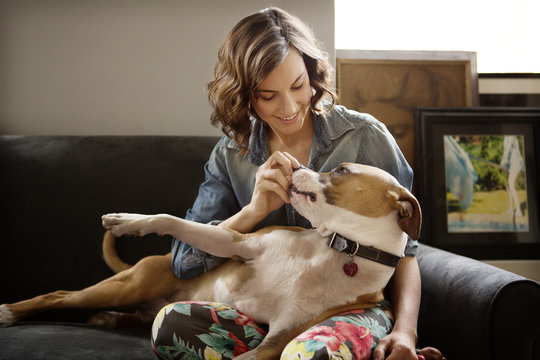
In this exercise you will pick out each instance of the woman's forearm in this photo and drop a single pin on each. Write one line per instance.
(243, 221)
(405, 290)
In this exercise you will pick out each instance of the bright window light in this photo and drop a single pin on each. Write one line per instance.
(505, 34)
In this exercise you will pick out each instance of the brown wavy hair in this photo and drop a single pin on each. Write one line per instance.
(253, 48)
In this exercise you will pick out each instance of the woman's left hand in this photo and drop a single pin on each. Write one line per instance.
(397, 346)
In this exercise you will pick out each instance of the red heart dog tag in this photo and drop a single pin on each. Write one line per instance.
(350, 269)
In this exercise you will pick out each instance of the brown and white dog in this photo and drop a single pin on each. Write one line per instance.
(289, 278)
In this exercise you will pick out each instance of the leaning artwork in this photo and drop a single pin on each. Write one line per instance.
(486, 183)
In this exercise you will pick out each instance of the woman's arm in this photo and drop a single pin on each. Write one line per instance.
(272, 183)
(405, 296)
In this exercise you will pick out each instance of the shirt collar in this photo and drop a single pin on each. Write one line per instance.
(327, 126)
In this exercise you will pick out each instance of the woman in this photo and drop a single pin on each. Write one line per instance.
(271, 97)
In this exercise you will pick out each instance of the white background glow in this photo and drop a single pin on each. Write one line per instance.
(505, 34)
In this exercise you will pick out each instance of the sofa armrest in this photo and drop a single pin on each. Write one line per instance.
(472, 310)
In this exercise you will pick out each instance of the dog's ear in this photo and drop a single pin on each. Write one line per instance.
(410, 215)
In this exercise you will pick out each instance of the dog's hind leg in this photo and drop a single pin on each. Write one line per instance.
(149, 280)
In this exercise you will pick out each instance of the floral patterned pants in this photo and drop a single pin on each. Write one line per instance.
(202, 330)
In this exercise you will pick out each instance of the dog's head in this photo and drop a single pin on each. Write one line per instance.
(355, 194)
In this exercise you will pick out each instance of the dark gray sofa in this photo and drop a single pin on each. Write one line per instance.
(54, 190)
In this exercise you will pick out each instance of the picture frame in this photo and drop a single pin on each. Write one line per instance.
(477, 182)
(509, 89)
(390, 84)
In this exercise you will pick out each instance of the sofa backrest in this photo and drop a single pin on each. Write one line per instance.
(54, 190)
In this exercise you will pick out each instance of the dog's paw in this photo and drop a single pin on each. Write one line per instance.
(6, 316)
(121, 224)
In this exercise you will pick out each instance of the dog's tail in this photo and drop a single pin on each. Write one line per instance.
(111, 256)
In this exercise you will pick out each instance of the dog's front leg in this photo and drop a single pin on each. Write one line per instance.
(211, 239)
(137, 224)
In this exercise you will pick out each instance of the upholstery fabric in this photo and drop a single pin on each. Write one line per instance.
(490, 313)
(43, 340)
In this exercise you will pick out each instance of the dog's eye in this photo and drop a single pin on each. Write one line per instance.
(340, 170)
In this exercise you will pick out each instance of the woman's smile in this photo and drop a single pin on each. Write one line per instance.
(289, 119)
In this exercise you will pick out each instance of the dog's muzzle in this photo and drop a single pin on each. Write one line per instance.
(308, 194)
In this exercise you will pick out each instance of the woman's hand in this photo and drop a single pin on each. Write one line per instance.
(395, 346)
(401, 347)
(272, 183)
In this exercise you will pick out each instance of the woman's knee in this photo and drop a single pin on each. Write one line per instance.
(203, 329)
(351, 335)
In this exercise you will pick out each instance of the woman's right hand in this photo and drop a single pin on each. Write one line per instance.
(272, 183)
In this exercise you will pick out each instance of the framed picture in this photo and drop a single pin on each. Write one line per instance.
(477, 181)
(509, 90)
(390, 84)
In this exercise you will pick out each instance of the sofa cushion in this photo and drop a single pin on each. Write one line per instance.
(42, 340)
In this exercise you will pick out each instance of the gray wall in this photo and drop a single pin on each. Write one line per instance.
(121, 67)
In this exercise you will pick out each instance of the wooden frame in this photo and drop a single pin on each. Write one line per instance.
(469, 163)
(390, 84)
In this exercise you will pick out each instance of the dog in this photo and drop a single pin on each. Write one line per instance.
(361, 217)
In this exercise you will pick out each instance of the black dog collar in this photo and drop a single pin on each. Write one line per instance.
(350, 247)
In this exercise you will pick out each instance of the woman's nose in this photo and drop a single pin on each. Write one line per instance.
(288, 105)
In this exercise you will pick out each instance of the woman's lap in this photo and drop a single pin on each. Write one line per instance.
(202, 330)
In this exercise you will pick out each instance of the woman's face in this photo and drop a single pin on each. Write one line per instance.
(282, 99)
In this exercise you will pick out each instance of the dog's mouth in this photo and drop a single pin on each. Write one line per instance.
(308, 194)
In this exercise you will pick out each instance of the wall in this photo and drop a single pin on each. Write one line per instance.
(122, 67)
(527, 268)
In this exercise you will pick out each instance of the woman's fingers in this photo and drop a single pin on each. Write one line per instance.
(275, 176)
(272, 182)
(278, 188)
(283, 161)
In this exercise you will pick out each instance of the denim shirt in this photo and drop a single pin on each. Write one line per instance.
(340, 135)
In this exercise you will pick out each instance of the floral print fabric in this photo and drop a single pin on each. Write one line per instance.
(205, 330)
(351, 335)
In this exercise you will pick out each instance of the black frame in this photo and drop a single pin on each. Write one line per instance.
(519, 96)
(431, 124)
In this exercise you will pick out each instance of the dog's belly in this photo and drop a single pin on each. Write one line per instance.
(301, 276)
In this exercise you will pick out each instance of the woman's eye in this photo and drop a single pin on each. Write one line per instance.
(267, 98)
(298, 87)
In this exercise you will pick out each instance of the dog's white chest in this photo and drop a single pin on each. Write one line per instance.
(297, 273)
